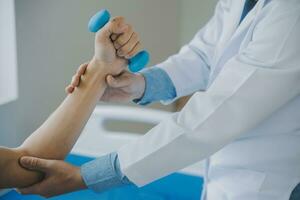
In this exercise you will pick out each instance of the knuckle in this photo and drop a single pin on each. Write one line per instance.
(113, 37)
(121, 40)
(81, 69)
(117, 45)
(124, 50)
(131, 54)
(34, 162)
(135, 36)
(118, 18)
(129, 28)
(82, 65)
(134, 51)
(138, 46)
(120, 53)
(118, 21)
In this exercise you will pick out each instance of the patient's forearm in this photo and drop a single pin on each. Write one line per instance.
(56, 137)
(11, 174)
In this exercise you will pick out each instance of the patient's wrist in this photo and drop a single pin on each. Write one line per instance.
(98, 66)
(95, 74)
(113, 68)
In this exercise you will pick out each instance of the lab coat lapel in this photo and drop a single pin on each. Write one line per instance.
(230, 27)
(249, 19)
(233, 23)
(238, 34)
(238, 29)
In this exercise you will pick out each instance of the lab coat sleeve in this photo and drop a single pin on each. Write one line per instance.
(192, 64)
(251, 86)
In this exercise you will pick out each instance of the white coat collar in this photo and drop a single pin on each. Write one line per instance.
(233, 27)
(249, 18)
(236, 30)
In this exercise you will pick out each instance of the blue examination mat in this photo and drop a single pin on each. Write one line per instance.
(176, 186)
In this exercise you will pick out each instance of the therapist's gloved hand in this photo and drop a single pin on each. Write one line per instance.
(59, 177)
(122, 88)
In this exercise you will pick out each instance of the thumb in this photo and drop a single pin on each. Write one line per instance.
(34, 163)
(118, 81)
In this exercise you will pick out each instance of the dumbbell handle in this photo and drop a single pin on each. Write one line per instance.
(136, 63)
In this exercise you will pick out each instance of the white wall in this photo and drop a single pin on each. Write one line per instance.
(52, 40)
(8, 52)
(194, 14)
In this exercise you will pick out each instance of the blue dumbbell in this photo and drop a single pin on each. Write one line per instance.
(137, 62)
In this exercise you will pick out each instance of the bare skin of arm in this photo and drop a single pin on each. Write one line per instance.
(57, 135)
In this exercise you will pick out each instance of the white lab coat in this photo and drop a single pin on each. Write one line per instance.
(245, 114)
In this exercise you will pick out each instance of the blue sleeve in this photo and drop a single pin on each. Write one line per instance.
(103, 173)
(159, 86)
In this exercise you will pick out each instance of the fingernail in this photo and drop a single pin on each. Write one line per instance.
(24, 160)
(71, 88)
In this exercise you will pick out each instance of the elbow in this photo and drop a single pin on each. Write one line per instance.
(12, 173)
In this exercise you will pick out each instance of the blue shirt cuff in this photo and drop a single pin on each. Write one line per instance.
(103, 173)
(159, 86)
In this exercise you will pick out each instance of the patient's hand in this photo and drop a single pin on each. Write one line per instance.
(114, 44)
(110, 48)
(11, 174)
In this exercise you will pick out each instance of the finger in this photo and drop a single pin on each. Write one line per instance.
(134, 51)
(34, 163)
(117, 82)
(128, 47)
(113, 37)
(111, 81)
(69, 89)
(123, 38)
(41, 188)
(81, 70)
(75, 80)
(115, 26)
(34, 189)
(118, 25)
